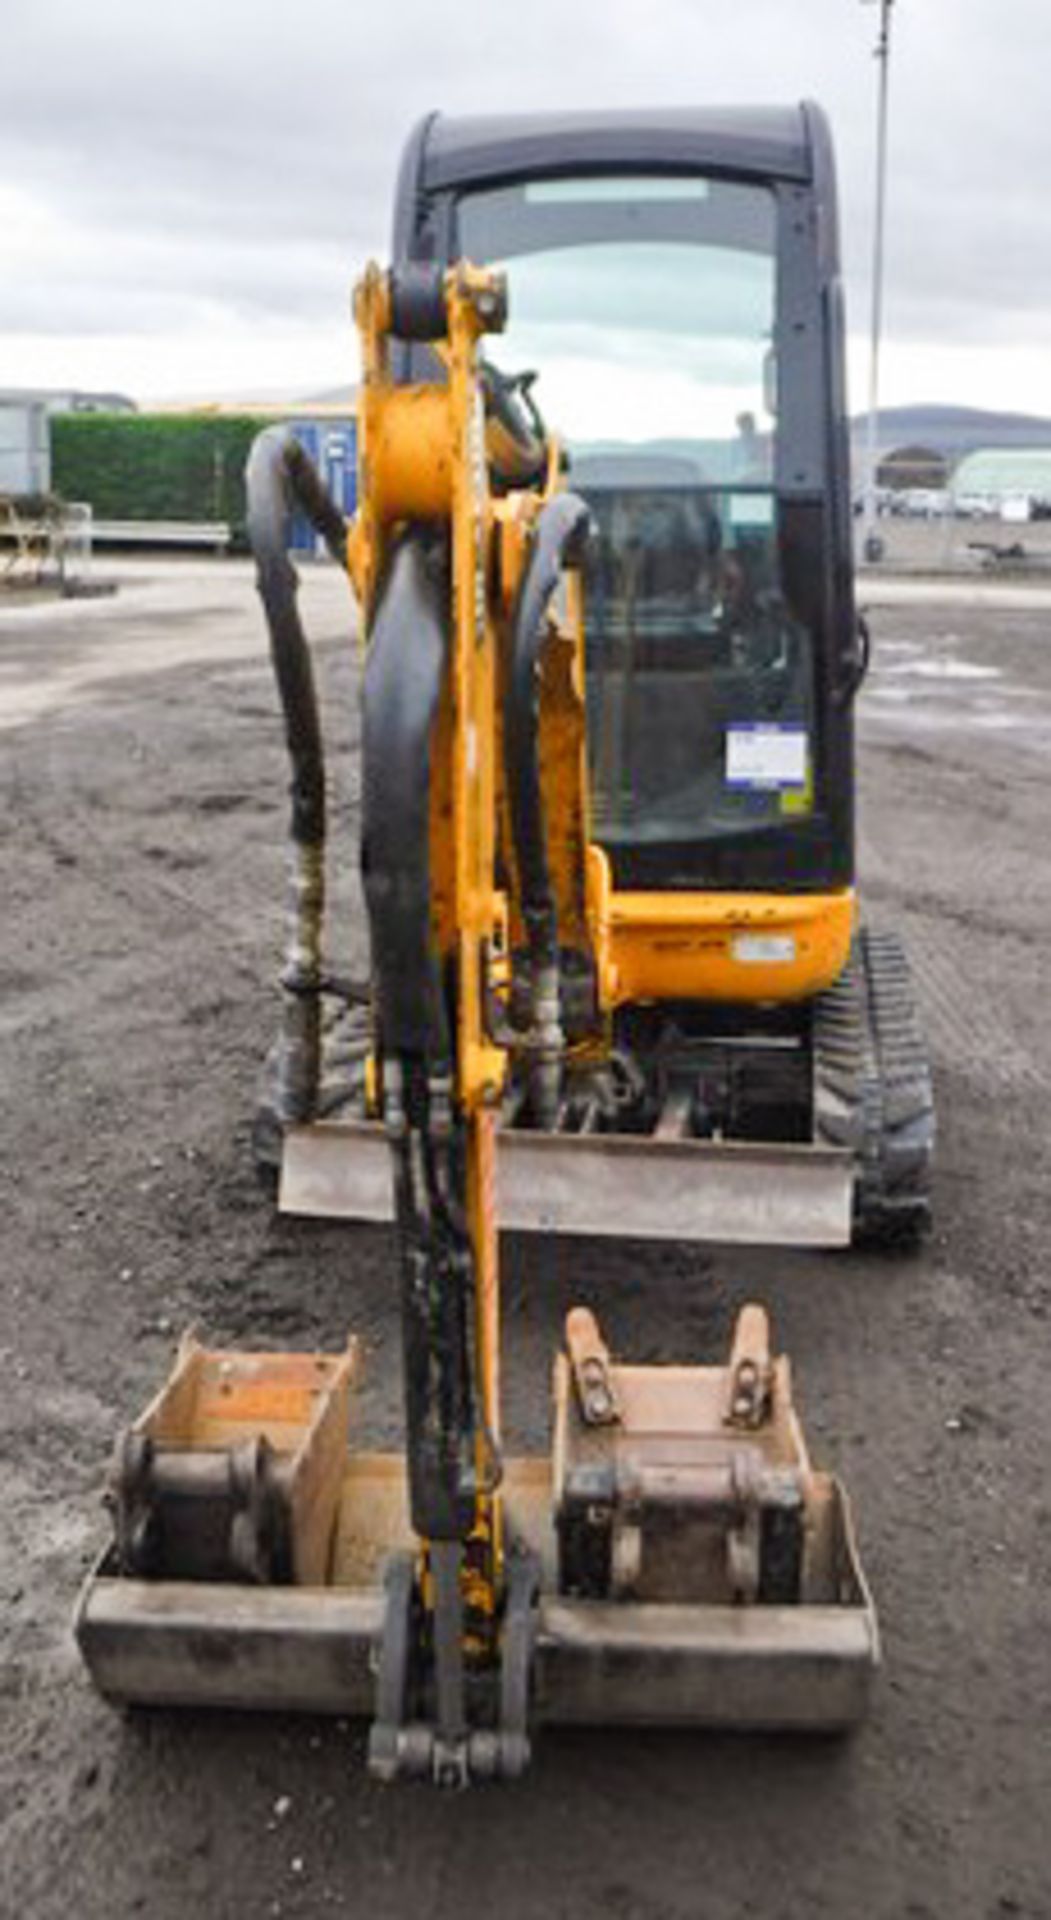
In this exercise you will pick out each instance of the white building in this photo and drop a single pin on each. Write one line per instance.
(25, 447)
(1013, 482)
(25, 444)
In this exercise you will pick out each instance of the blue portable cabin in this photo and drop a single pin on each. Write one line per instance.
(327, 432)
(330, 439)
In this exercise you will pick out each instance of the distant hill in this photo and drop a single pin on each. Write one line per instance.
(952, 431)
(949, 430)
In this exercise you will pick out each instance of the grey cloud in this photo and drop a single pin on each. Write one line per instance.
(244, 155)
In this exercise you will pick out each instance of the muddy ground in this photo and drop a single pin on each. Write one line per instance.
(142, 824)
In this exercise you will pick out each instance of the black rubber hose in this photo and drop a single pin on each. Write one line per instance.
(278, 476)
(437, 1278)
(403, 681)
(404, 673)
(561, 530)
(558, 537)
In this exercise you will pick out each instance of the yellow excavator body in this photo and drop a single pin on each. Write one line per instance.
(674, 1558)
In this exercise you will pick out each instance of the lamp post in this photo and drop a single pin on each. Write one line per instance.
(873, 545)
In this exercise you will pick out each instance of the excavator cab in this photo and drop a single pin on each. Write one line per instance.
(675, 305)
(616, 982)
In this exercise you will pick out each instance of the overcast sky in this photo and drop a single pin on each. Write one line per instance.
(188, 191)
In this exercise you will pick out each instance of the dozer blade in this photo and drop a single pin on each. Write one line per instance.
(692, 1569)
(620, 1186)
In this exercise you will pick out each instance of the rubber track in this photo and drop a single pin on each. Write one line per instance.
(872, 1089)
(346, 1038)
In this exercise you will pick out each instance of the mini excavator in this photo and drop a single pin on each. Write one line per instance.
(617, 983)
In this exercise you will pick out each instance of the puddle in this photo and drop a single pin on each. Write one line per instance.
(944, 670)
(894, 712)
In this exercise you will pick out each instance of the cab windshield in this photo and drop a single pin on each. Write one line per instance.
(647, 308)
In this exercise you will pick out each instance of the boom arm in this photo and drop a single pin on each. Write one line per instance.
(425, 555)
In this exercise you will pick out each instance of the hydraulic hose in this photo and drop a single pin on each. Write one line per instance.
(404, 674)
(561, 530)
(279, 475)
(403, 679)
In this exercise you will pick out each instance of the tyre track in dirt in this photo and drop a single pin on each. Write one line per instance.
(975, 918)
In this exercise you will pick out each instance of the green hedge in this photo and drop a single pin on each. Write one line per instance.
(154, 466)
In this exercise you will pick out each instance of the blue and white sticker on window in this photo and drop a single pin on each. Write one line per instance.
(765, 758)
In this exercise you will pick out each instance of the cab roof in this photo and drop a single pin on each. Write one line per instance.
(763, 141)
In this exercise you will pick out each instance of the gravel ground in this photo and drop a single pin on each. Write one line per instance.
(941, 544)
(142, 876)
